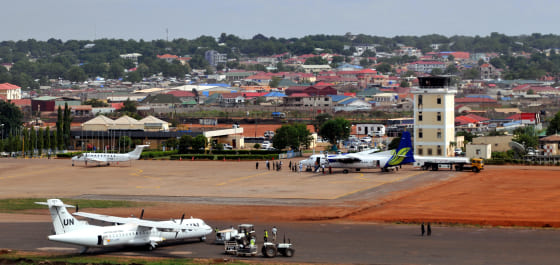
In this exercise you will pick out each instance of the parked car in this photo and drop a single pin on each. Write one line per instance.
(227, 147)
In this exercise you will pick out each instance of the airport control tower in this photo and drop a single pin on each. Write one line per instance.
(434, 116)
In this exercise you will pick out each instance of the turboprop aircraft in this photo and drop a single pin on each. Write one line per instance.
(386, 160)
(109, 157)
(127, 231)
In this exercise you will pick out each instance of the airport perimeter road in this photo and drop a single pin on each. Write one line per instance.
(345, 243)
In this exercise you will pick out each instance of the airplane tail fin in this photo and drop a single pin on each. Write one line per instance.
(405, 148)
(63, 221)
(404, 153)
(135, 154)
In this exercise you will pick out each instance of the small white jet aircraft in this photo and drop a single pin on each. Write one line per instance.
(127, 231)
(385, 160)
(109, 157)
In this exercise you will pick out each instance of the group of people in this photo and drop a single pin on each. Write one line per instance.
(278, 166)
(274, 232)
(427, 230)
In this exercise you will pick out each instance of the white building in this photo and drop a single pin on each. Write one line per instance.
(214, 57)
(9, 91)
(425, 66)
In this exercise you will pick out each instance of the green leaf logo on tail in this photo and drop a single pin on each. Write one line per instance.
(399, 157)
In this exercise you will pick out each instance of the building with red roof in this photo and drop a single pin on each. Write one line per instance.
(10, 91)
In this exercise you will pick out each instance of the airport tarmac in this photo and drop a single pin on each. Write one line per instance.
(328, 243)
(231, 192)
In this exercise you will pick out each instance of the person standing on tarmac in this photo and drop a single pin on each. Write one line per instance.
(265, 235)
(422, 229)
(257, 165)
(429, 230)
(274, 232)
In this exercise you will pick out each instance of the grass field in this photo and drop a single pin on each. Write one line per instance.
(15, 205)
(28, 258)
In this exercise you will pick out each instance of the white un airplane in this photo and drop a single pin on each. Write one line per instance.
(386, 160)
(127, 231)
(109, 157)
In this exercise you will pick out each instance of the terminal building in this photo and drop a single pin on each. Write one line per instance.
(434, 128)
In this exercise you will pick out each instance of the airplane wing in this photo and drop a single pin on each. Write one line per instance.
(160, 225)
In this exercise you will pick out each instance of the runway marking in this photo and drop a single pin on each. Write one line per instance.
(376, 185)
(241, 178)
(359, 177)
(139, 171)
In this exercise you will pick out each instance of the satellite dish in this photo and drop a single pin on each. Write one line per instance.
(517, 146)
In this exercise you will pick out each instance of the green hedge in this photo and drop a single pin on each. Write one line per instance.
(233, 152)
(222, 157)
(154, 154)
(67, 155)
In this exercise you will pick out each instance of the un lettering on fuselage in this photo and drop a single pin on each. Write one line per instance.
(68, 221)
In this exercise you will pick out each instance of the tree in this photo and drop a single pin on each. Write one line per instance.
(394, 144)
(116, 70)
(40, 141)
(436, 71)
(404, 83)
(59, 130)
(32, 141)
(133, 77)
(317, 60)
(291, 135)
(384, 68)
(129, 106)
(472, 73)
(185, 142)
(274, 82)
(125, 142)
(12, 118)
(172, 143)
(320, 119)
(199, 142)
(66, 128)
(54, 143)
(526, 136)
(335, 130)
(467, 135)
(554, 125)
(76, 74)
(48, 141)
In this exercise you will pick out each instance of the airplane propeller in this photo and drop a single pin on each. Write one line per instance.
(182, 218)
(77, 207)
(142, 213)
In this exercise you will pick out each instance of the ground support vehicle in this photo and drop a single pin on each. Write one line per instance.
(270, 250)
(225, 235)
(435, 163)
(239, 242)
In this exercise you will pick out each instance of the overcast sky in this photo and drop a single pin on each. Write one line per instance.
(149, 19)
